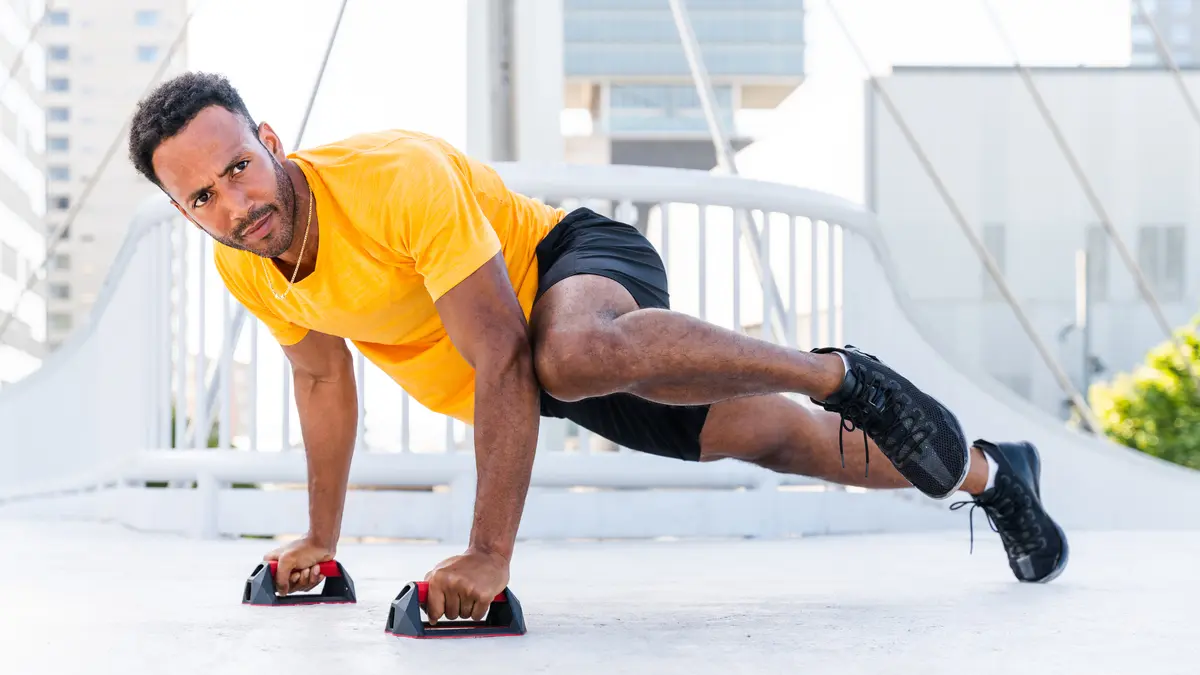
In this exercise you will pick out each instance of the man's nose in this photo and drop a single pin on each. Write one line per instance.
(240, 207)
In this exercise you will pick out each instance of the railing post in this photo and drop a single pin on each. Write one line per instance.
(207, 494)
(200, 422)
(462, 508)
(792, 309)
(181, 355)
(225, 411)
(814, 324)
(768, 287)
(766, 493)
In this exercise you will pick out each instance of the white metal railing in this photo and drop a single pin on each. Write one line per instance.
(93, 430)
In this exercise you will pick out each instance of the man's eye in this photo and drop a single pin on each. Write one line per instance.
(200, 201)
(241, 166)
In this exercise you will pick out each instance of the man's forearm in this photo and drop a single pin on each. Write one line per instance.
(328, 421)
(506, 431)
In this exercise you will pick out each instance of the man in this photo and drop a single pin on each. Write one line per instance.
(496, 309)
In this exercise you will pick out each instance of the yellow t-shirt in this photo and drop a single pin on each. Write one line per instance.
(403, 217)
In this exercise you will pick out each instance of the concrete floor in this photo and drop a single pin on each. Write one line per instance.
(77, 598)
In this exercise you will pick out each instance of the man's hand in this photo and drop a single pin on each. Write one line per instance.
(299, 569)
(464, 586)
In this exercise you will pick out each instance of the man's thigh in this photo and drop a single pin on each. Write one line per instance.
(592, 272)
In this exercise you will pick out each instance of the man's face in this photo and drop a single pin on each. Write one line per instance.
(228, 182)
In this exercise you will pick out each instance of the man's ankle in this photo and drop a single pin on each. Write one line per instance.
(833, 367)
(981, 474)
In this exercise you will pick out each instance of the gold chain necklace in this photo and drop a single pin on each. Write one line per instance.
(300, 259)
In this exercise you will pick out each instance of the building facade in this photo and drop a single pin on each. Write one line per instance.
(1137, 145)
(22, 191)
(1178, 21)
(100, 58)
(624, 66)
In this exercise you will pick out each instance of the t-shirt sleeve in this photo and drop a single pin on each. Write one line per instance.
(284, 331)
(436, 219)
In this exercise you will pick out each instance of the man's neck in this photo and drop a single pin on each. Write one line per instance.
(301, 224)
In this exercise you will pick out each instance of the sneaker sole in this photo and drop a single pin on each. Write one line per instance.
(1037, 490)
(1062, 563)
(966, 455)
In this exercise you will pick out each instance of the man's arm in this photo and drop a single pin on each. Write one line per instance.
(327, 400)
(487, 325)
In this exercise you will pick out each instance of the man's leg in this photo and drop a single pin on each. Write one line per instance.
(591, 339)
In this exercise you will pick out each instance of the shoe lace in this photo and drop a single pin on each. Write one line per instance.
(1009, 513)
(893, 422)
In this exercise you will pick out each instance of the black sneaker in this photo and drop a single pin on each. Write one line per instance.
(1036, 545)
(919, 435)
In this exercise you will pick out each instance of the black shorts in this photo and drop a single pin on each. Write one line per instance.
(586, 242)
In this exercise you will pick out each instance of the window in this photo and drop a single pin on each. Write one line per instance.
(60, 291)
(8, 261)
(1161, 255)
(58, 321)
(57, 17)
(1182, 7)
(147, 53)
(62, 261)
(58, 53)
(58, 114)
(146, 17)
(664, 108)
(1181, 34)
(58, 84)
(60, 202)
(59, 172)
(1097, 246)
(58, 143)
(993, 241)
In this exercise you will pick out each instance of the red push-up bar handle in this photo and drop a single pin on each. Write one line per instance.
(329, 568)
(423, 593)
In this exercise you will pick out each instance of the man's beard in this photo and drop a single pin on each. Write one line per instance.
(284, 209)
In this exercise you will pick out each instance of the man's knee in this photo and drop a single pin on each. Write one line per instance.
(578, 360)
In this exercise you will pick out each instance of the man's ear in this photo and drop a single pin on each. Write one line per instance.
(271, 141)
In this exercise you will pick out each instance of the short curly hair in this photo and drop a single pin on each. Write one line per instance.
(170, 107)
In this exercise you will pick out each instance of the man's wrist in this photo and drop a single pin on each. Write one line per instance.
(322, 540)
(503, 552)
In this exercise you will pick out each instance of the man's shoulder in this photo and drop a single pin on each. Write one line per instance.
(369, 150)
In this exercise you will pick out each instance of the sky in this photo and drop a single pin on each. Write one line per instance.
(402, 63)
(395, 63)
